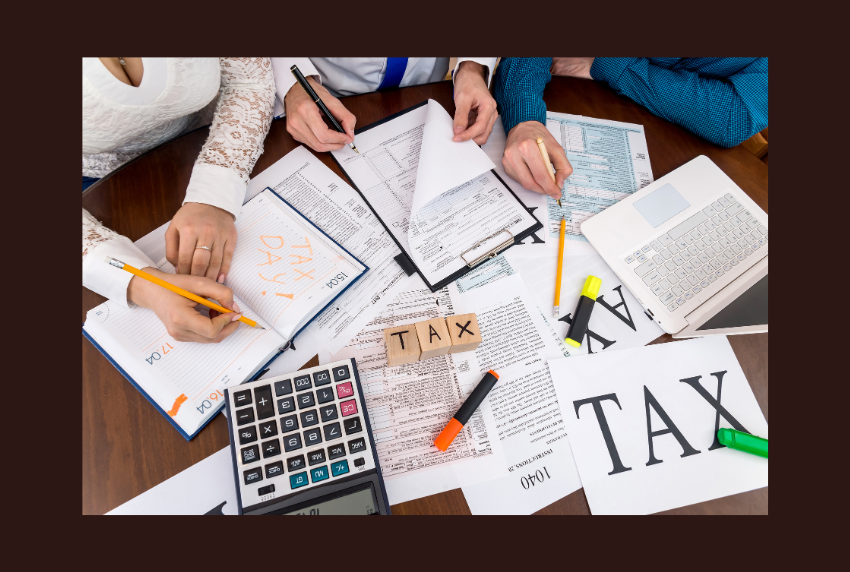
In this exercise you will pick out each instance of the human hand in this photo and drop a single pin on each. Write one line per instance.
(523, 161)
(197, 225)
(306, 124)
(471, 93)
(182, 321)
(573, 67)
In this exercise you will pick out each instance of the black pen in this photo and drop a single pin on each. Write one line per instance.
(312, 93)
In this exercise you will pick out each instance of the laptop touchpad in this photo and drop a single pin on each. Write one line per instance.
(661, 204)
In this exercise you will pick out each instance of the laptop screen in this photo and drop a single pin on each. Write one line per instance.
(748, 309)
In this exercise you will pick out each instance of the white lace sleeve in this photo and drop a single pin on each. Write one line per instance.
(100, 242)
(242, 119)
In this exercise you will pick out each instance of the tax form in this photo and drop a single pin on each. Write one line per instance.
(332, 205)
(410, 404)
(610, 161)
(438, 198)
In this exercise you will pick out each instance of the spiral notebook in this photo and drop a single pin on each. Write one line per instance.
(441, 201)
(285, 272)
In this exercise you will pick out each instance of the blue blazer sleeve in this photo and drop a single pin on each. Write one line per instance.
(519, 90)
(723, 110)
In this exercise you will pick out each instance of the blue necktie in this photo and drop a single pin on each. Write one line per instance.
(395, 72)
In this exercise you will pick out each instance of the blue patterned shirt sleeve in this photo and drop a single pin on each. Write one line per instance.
(519, 90)
(723, 100)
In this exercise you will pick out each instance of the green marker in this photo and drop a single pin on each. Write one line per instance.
(743, 442)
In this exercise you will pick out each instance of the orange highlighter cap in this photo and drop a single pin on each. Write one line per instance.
(448, 435)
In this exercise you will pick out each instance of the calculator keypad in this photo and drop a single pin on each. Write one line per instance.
(306, 427)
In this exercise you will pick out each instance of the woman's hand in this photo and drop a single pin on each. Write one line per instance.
(183, 322)
(197, 225)
(306, 124)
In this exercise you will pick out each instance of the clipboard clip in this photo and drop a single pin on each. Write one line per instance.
(490, 253)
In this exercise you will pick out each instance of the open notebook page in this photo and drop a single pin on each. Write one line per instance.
(185, 379)
(438, 198)
(286, 271)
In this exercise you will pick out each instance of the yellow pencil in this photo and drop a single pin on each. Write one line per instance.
(546, 160)
(560, 267)
(177, 290)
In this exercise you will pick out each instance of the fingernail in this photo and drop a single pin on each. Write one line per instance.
(456, 139)
(221, 278)
(235, 317)
(458, 129)
(236, 306)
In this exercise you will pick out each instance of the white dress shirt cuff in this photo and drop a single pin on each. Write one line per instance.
(284, 80)
(216, 186)
(105, 279)
(488, 63)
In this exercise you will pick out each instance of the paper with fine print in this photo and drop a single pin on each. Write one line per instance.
(643, 424)
(206, 487)
(438, 198)
(409, 405)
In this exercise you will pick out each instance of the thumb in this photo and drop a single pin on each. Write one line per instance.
(222, 320)
(461, 117)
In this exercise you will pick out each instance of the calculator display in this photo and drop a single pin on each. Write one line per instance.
(358, 502)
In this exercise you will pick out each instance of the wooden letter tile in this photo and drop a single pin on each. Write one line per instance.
(402, 345)
(433, 338)
(464, 332)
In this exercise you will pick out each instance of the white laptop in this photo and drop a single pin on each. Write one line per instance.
(692, 248)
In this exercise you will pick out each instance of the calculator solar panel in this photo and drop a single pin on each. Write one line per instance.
(301, 443)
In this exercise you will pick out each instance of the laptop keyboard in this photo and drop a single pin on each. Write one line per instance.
(687, 259)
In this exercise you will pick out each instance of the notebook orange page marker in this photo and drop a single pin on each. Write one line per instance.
(177, 290)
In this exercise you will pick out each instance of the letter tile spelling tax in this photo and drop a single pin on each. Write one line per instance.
(464, 332)
(434, 338)
(402, 345)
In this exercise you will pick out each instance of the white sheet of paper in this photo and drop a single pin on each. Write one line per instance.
(517, 342)
(672, 473)
(204, 488)
(618, 320)
(429, 190)
(332, 205)
(409, 405)
(536, 202)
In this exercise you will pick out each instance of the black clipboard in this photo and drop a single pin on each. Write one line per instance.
(404, 260)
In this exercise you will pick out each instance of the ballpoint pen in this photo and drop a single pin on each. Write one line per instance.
(312, 93)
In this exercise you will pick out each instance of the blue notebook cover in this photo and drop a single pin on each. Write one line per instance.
(187, 436)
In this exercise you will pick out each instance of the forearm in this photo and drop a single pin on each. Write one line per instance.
(519, 90)
(715, 109)
(100, 242)
(242, 119)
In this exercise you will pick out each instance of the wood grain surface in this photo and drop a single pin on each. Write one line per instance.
(128, 447)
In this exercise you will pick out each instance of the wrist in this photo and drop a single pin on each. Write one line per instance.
(139, 290)
(469, 69)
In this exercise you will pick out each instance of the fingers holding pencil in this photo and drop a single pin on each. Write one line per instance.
(171, 298)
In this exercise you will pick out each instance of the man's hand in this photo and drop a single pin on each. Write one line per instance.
(183, 322)
(305, 122)
(572, 67)
(524, 162)
(196, 225)
(471, 93)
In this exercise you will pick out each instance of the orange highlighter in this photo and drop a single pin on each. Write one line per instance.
(466, 410)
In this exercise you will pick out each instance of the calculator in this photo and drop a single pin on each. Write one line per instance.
(301, 443)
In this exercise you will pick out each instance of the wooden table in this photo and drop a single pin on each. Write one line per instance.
(128, 447)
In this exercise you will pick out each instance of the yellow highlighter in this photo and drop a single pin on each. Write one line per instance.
(584, 308)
